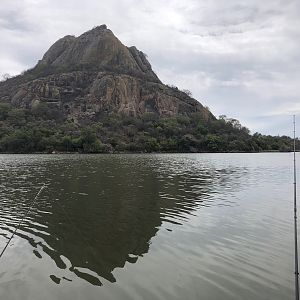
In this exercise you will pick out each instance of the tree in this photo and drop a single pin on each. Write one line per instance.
(173, 87)
(188, 92)
(16, 117)
(4, 110)
(5, 77)
(90, 142)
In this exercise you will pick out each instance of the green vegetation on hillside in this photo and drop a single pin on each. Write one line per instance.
(44, 129)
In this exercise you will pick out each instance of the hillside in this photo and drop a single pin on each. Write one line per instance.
(93, 74)
(93, 94)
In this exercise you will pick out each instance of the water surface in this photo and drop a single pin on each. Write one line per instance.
(162, 226)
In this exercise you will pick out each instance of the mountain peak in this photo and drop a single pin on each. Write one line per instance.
(97, 30)
(96, 50)
(100, 27)
(94, 74)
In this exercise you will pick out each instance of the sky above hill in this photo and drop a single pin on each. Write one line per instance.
(240, 58)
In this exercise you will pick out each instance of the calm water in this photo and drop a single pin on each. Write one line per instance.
(179, 226)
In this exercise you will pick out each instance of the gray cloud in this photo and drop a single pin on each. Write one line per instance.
(239, 57)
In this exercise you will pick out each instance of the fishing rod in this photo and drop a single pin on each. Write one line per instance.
(20, 222)
(295, 219)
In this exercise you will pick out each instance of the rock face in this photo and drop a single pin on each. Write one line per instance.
(94, 74)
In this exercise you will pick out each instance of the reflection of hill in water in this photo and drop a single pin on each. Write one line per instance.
(100, 212)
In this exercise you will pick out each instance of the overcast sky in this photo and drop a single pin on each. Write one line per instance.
(241, 58)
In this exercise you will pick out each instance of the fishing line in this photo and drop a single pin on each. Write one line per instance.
(20, 222)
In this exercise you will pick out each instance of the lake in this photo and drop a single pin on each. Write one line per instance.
(148, 226)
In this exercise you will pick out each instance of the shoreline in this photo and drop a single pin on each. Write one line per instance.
(118, 153)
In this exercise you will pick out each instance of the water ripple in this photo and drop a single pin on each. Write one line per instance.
(210, 226)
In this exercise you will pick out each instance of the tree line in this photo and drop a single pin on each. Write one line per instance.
(45, 129)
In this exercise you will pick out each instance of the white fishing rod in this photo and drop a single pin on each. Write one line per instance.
(295, 219)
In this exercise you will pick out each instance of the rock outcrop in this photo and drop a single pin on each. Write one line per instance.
(95, 73)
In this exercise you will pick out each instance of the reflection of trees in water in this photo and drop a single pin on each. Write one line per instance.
(102, 211)
(116, 222)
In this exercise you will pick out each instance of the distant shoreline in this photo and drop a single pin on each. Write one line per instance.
(117, 153)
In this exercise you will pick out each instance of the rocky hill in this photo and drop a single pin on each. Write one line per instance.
(95, 74)
(93, 94)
